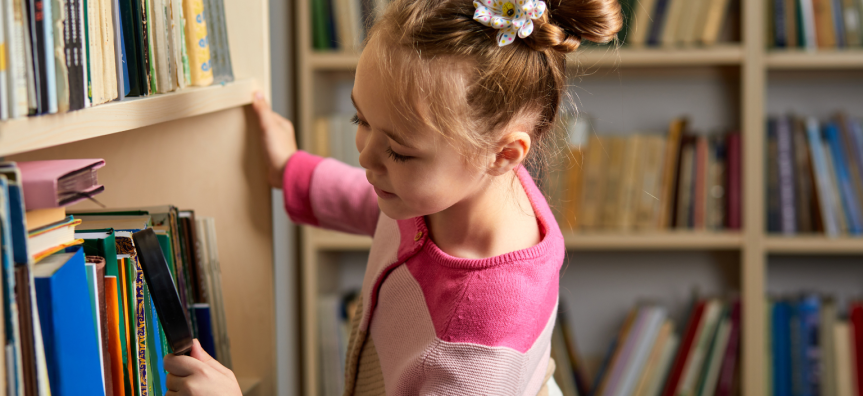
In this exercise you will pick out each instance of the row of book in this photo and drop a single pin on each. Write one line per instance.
(812, 350)
(814, 172)
(78, 316)
(64, 55)
(650, 358)
(670, 23)
(343, 24)
(335, 312)
(815, 24)
(651, 182)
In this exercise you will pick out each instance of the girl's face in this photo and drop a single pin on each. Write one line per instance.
(416, 177)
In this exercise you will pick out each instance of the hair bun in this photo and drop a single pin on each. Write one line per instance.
(571, 21)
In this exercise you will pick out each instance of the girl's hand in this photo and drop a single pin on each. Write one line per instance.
(199, 375)
(277, 136)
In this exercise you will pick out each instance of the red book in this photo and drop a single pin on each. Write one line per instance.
(734, 198)
(674, 376)
(732, 351)
(856, 319)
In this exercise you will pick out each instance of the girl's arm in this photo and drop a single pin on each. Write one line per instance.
(319, 192)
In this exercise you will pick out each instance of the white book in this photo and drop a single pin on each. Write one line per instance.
(643, 345)
(16, 78)
(807, 12)
(50, 76)
(97, 319)
(61, 73)
(118, 50)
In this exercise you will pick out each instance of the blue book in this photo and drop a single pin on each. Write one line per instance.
(846, 190)
(654, 37)
(779, 29)
(781, 348)
(823, 184)
(67, 325)
(12, 337)
(17, 224)
(808, 311)
(158, 336)
(205, 329)
(839, 23)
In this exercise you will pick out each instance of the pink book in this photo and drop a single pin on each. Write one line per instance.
(56, 183)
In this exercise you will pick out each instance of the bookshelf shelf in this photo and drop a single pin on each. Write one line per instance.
(332, 241)
(590, 57)
(821, 60)
(721, 55)
(33, 133)
(819, 245)
(671, 241)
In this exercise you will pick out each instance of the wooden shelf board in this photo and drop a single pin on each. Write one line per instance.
(336, 241)
(644, 57)
(248, 385)
(589, 58)
(33, 133)
(813, 245)
(791, 60)
(673, 240)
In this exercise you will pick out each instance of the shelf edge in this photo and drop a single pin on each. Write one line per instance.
(33, 133)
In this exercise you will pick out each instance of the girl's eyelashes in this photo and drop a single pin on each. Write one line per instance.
(357, 121)
(396, 156)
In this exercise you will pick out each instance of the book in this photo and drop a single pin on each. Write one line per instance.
(684, 204)
(116, 335)
(54, 183)
(705, 333)
(713, 362)
(41, 217)
(786, 177)
(217, 37)
(654, 387)
(593, 192)
(808, 312)
(196, 43)
(851, 21)
(729, 363)
(699, 188)
(822, 178)
(67, 323)
(838, 23)
(660, 11)
(46, 240)
(675, 374)
(780, 33)
(647, 196)
(14, 27)
(844, 361)
(95, 271)
(808, 25)
(672, 22)
(206, 241)
(849, 200)
(803, 183)
(12, 346)
(827, 347)
(642, 344)
(825, 31)
(640, 23)
(716, 184)
(613, 179)
(632, 166)
(855, 319)
(781, 351)
(773, 199)
(734, 209)
(853, 158)
(563, 369)
(670, 172)
(652, 365)
(717, 12)
(605, 371)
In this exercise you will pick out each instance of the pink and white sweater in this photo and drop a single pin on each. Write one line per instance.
(432, 323)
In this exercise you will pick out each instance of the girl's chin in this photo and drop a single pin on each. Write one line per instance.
(395, 210)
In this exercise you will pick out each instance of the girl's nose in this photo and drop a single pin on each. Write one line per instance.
(365, 145)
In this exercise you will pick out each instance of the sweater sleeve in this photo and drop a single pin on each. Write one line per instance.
(329, 194)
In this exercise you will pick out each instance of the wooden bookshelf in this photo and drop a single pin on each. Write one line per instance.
(197, 149)
(750, 58)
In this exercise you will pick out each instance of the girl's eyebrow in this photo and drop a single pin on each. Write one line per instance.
(391, 135)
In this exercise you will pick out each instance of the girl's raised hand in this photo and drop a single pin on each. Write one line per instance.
(199, 375)
(277, 136)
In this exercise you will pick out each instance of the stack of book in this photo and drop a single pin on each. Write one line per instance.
(66, 55)
(335, 312)
(649, 358)
(78, 317)
(335, 137)
(814, 172)
(650, 182)
(343, 24)
(673, 23)
(815, 24)
(812, 350)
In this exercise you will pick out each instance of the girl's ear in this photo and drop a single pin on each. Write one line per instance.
(512, 151)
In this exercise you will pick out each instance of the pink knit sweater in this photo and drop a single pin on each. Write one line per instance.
(437, 324)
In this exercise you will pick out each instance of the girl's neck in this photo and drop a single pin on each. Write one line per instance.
(496, 220)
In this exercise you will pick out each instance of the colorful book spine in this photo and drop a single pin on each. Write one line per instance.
(781, 348)
(196, 43)
(140, 326)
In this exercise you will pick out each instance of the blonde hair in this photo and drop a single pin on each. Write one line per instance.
(485, 87)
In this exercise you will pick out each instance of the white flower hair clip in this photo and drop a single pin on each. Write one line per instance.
(511, 17)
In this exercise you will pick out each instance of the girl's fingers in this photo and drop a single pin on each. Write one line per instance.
(182, 366)
(174, 383)
(199, 353)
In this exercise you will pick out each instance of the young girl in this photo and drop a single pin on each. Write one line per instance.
(460, 292)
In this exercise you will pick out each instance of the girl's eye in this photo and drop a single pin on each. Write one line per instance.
(396, 156)
(357, 121)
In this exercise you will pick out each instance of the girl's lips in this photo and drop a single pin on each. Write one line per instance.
(383, 194)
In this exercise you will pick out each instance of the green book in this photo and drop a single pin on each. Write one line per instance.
(165, 244)
(101, 243)
(320, 31)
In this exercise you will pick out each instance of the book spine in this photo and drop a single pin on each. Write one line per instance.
(809, 309)
(659, 21)
(734, 182)
(732, 350)
(807, 12)
(803, 179)
(785, 157)
(140, 327)
(773, 201)
(846, 190)
(674, 376)
(781, 348)
(196, 42)
(791, 25)
(839, 23)
(74, 48)
(779, 32)
(822, 178)
(856, 322)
